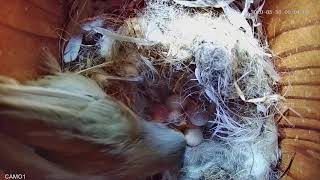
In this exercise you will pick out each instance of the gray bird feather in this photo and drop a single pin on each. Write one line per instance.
(74, 102)
(79, 107)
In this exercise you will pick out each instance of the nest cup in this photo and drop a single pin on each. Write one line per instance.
(213, 60)
(174, 70)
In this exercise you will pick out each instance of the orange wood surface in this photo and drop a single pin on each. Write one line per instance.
(293, 30)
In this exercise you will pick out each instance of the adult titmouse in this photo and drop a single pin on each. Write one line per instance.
(71, 109)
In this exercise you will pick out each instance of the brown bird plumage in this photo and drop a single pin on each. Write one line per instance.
(71, 122)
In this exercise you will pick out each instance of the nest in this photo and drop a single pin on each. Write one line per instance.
(214, 63)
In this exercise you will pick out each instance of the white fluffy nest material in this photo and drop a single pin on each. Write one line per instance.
(229, 65)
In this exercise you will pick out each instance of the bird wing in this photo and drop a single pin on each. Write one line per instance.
(73, 103)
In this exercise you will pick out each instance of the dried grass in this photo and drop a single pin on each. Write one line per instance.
(220, 60)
